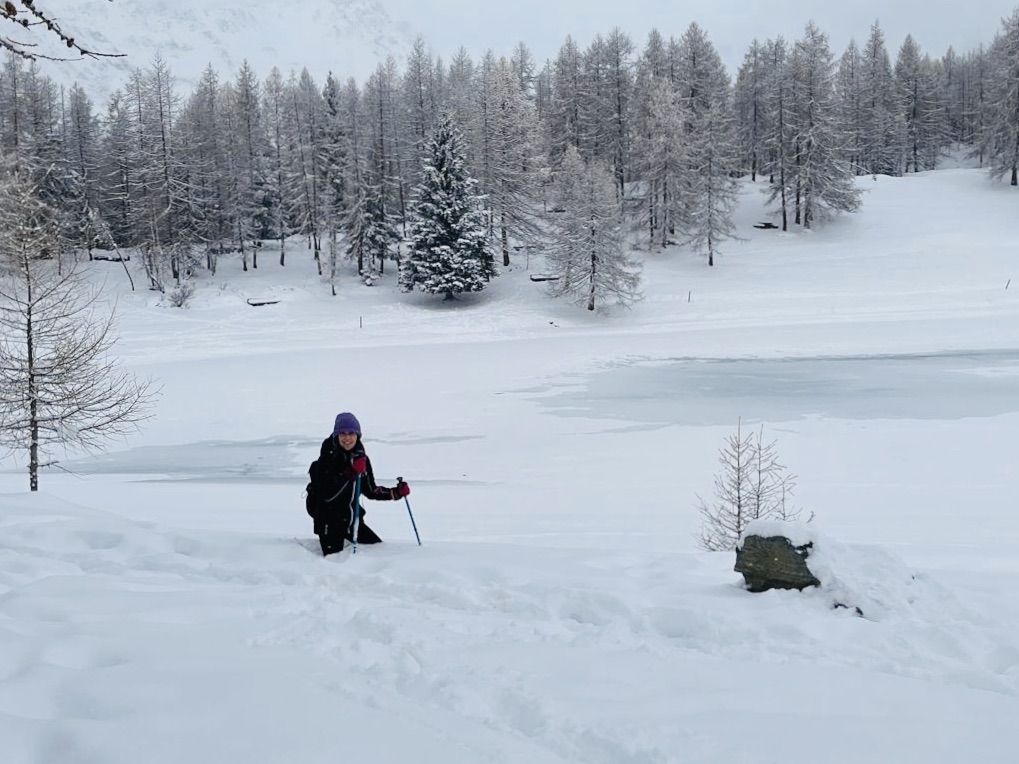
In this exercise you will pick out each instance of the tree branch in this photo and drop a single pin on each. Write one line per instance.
(38, 24)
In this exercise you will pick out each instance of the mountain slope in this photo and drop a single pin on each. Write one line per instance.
(347, 37)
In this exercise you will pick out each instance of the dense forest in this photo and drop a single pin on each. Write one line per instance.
(587, 156)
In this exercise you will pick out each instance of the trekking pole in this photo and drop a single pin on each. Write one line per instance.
(412, 523)
(357, 513)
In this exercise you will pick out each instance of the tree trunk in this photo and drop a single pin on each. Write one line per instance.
(505, 240)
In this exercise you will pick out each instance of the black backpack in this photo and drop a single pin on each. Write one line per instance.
(313, 492)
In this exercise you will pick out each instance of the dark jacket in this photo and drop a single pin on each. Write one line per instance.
(336, 484)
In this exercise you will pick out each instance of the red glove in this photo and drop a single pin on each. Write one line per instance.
(401, 490)
(359, 465)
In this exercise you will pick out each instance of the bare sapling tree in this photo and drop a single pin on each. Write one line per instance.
(59, 384)
(35, 28)
(751, 485)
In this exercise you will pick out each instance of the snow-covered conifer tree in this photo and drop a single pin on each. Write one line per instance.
(449, 251)
(508, 160)
(999, 136)
(708, 189)
(587, 251)
(820, 178)
(751, 110)
(881, 134)
(920, 109)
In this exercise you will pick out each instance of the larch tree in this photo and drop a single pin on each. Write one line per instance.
(276, 109)
(118, 192)
(779, 135)
(881, 133)
(370, 232)
(564, 110)
(508, 158)
(166, 194)
(449, 249)
(304, 133)
(663, 149)
(586, 253)
(848, 100)
(709, 190)
(59, 384)
(999, 137)
(916, 82)
(750, 107)
(251, 147)
(81, 149)
(335, 151)
(822, 180)
(657, 142)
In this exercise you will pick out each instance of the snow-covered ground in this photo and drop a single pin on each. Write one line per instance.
(165, 601)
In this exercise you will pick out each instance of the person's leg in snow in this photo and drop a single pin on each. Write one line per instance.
(366, 535)
(329, 541)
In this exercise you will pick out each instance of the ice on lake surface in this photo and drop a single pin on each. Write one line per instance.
(712, 391)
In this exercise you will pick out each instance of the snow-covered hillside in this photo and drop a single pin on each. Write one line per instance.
(347, 37)
(166, 602)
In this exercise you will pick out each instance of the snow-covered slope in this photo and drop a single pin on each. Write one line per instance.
(347, 37)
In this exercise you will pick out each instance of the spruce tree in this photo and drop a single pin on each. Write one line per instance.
(449, 250)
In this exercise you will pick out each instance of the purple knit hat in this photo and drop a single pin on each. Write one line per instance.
(346, 422)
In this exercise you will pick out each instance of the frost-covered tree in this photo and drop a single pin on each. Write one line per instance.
(779, 133)
(586, 253)
(81, 150)
(750, 485)
(419, 102)
(999, 136)
(712, 187)
(460, 82)
(118, 192)
(371, 233)
(59, 385)
(166, 219)
(449, 250)
(818, 177)
(708, 189)
(275, 107)
(207, 152)
(750, 105)
(564, 111)
(384, 147)
(335, 150)
(507, 156)
(304, 132)
(251, 149)
(920, 110)
(657, 126)
(879, 122)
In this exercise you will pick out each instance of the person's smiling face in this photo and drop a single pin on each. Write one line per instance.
(347, 440)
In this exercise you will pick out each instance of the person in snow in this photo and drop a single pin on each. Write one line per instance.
(341, 474)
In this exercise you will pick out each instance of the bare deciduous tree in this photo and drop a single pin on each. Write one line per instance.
(59, 384)
(34, 24)
(751, 485)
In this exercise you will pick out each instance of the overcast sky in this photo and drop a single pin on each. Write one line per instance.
(730, 24)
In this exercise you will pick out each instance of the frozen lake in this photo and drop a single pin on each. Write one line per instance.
(706, 392)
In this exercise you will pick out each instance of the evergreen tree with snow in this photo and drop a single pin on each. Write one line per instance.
(449, 250)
